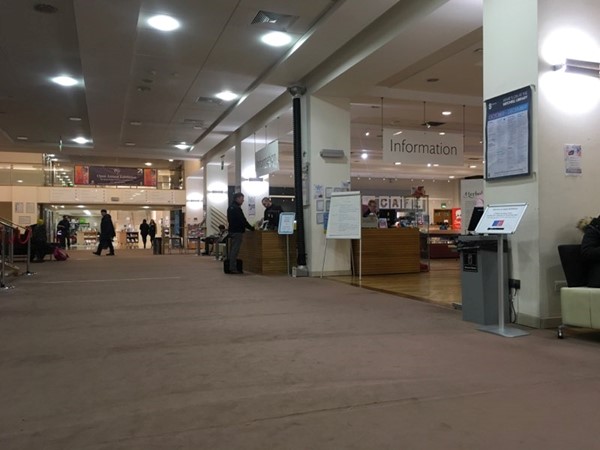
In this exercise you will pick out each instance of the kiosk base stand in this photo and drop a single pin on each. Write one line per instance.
(503, 331)
(501, 220)
(300, 271)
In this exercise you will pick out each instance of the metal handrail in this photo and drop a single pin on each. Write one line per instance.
(8, 247)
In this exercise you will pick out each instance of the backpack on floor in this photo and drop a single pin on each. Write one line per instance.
(59, 254)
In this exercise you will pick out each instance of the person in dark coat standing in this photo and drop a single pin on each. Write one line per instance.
(152, 231)
(590, 252)
(63, 232)
(144, 231)
(237, 226)
(107, 233)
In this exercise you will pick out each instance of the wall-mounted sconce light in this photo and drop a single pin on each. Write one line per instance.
(580, 67)
(332, 153)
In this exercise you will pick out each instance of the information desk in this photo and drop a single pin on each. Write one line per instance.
(265, 252)
(387, 251)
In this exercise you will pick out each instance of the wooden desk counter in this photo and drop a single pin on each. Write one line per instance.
(265, 252)
(388, 250)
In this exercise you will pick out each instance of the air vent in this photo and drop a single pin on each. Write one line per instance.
(274, 20)
(195, 122)
(431, 124)
(211, 100)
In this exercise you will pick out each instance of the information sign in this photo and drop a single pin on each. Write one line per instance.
(286, 223)
(501, 219)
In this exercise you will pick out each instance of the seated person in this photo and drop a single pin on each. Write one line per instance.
(371, 209)
(590, 252)
(210, 241)
(271, 214)
(39, 242)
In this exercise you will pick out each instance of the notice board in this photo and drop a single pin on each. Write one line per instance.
(344, 220)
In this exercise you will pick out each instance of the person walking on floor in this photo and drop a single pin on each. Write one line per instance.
(237, 226)
(107, 233)
(152, 231)
(144, 230)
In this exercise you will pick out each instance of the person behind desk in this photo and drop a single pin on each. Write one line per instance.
(371, 209)
(271, 214)
(237, 226)
(590, 251)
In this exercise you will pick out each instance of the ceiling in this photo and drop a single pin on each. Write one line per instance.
(141, 91)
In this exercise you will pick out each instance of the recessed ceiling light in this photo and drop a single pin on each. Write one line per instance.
(442, 133)
(367, 133)
(446, 113)
(428, 164)
(276, 39)
(170, 160)
(397, 163)
(436, 165)
(451, 176)
(22, 138)
(130, 144)
(135, 123)
(182, 146)
(81, 206)
(148, 164)
(65, 80)
(472, 166)
(226, 96)
(51, 155)
(75, 119)
(80, 140)
(397, 133)
(163, 23)
(364, 155)
(146, 207)
(19, 181)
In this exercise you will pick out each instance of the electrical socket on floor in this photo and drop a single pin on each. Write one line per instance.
(559, 284)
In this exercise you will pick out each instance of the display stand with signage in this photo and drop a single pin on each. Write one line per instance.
(286, 227)
(500, 220)
(344, 221)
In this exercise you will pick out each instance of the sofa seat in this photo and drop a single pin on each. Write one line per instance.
(580, 306)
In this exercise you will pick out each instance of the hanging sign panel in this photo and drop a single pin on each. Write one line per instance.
(422, 147)
(508, 135)
(114, 176)
(266, 160)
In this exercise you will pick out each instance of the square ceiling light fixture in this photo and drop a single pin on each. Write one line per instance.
(580, 67)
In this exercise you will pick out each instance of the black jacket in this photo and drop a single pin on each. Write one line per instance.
(590, 252)
(144, 229)
(107, 229)
(237, 220)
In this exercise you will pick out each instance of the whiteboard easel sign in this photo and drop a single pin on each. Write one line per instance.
(344, 220)
(286, 223)
(501, 219)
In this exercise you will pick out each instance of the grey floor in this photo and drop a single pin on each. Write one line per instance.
(142, 351)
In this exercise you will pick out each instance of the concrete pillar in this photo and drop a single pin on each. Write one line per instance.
(522, 40)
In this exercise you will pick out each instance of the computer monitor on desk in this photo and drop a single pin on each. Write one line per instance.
(475, 218)
(272, 217)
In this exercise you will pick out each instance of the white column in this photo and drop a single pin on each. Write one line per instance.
(327, 126)
(517, 56)
(251, 186)
(216, 196)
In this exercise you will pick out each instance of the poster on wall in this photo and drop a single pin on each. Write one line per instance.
(114, 176)
(572, 154)
(508, 135)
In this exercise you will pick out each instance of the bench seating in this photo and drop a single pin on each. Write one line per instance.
(580, 305)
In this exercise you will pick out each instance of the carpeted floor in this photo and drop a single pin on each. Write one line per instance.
(142, 351)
